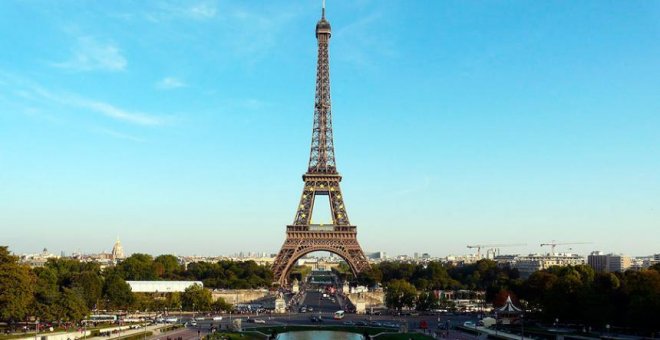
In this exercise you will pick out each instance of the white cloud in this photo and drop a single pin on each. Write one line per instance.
(204, 10)
(90, 54)
(166, 11)
(33, 92)
(169, 83)
(114, 112)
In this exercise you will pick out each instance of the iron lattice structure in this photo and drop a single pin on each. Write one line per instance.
(321, 178)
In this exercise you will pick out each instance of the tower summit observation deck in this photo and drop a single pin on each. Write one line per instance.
(321, 179)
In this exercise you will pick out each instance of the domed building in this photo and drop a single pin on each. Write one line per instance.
(117, 251)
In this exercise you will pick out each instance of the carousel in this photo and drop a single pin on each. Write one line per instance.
(509, 313)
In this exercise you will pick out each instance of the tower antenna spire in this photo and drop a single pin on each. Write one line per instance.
(323, 10)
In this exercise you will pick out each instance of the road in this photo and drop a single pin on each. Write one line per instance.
(320, 304)
(327, 310)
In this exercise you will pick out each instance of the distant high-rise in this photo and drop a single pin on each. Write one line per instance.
(598, 261)
(117, 251)
(601, 262)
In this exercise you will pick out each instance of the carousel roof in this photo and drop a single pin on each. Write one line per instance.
(509, 307)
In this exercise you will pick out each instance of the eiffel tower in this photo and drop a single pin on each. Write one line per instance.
(321, 178)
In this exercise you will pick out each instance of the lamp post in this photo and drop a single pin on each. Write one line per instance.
(522, 325)
(36, 329)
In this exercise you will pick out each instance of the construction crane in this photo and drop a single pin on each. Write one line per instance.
(553, 244)
(479, 246)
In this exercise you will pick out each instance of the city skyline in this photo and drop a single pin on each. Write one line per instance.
(184, 127)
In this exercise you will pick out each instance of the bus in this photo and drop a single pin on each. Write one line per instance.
(339, 315)
(102, 319)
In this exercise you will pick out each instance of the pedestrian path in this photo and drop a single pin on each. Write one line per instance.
(124, 331)
(500, 334)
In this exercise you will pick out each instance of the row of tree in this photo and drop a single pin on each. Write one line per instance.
(484, 275)
(222, 274)
(67, 289)
(575, 294)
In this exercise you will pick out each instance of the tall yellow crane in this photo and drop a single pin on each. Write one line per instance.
(553, 244)
(479, 246)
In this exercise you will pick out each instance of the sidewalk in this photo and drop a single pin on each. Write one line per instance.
(127, 332)
(500, 334)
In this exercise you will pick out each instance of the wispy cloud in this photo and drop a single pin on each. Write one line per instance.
(113, 111)
(203, 10)
(362, 41)
(165, 11)
(169, 83)
(90, 54)
(31, 91)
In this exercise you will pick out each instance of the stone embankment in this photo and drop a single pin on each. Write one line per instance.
(236, 296)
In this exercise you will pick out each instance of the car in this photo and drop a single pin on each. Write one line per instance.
(469, 324)
(349, 323)
(361, 323)
(310, 309)
(250, 321)
(217, 318)
(259, 321)
(193, 323)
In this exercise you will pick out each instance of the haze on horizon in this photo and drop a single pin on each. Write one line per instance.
(184, 126)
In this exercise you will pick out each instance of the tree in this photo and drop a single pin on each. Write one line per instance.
(220, 305)
(16, 287)
(427, 301)
(46, 294)
(196, 297)
(167, 266)
(371, 277)
(71, 306)
(138, 267)
(117, 292)
(90, 286)
(399, 294)
(643, 290)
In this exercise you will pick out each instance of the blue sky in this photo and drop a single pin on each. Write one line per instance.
(184, 126)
